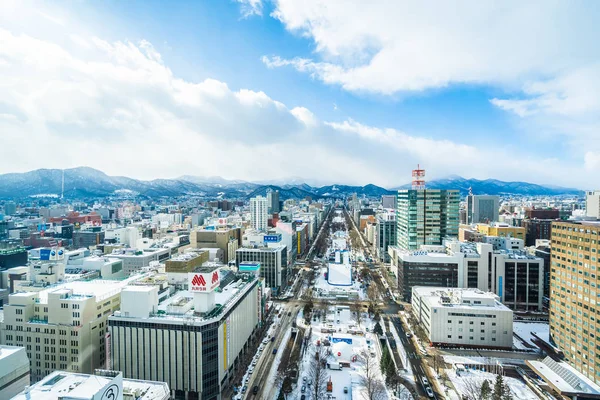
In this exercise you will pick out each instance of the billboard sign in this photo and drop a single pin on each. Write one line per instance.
(338, 340)
(203, 282)
(45, 254)
(272, 238)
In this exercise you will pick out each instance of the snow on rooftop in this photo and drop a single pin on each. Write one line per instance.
(564, 377)
(526, 331)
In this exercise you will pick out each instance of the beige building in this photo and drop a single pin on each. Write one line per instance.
(63, 326)
(575, 294)
(224, 238)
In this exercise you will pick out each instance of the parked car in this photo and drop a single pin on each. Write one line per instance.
(303, 389)
(255, 390)
(272, 339)
(274, 351)
(429, 392)
(244, 388)
(408, 335)
(345, 389)
(304, 379)
(425, 381)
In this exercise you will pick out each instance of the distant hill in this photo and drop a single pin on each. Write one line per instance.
(495, 187)
(84, 182)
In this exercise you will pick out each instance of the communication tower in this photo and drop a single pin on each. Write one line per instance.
(418, 178)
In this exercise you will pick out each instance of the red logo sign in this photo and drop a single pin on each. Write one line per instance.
(198, 280)
(215, 277)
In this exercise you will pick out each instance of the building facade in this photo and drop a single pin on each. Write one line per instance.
(463, 317)
(273, 261)
(14, 371)
(259, 213)
(426, 217)
(537, 229)
(592, 204)
(482, 208)
(575, 293)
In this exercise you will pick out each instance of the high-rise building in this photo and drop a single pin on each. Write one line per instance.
(592, 204)
(536, 229)
(482, 208)
(273, 201)
(273, 262)
(389, 201)
(14, 371)
(426, 216)
(385, 235)
(259, 212)
(10, 208)
(575, 294)
(225, 238)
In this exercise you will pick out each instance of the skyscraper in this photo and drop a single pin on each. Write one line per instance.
(482, 208)
(592, 204)
(574, 294)
(425, 217)
(273, 201)
(258, 212)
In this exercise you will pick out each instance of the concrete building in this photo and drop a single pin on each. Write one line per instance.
(574, 294)
(103, 385)
(193, 339)
(14, 371)
(259, 213)
(88, 237)
(536, 229)
(289, 238)
(482, 208)
(63, 326)
(517, 277)
(389, 201)
(127, 236)
(501, 229)
(426, 217)
(592, 204)
(273, 201)
(135, 259)
(273, 261)
(463, 317)
(225, 238)
(13, 257)
(384, 235)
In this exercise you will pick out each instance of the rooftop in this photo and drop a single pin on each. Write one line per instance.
(459, 298)
(60, 384)
(564, 378)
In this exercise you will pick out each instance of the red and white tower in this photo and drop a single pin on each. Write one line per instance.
(418, 178)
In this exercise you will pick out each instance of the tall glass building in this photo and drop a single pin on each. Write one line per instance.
(426, 216)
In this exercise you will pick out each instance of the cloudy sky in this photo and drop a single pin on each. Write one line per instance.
(327, 90)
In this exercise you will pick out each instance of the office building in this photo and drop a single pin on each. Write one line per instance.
(192, 340)
(126, 236)
(13, 257)
(259, 213)
(516, 276)
(501, 229)
(542, 213)
(225, 238)
(62, 326)
(536, 229)
(389, 201)
(574, 294)
(463, 317)
(10, 208)
(103, 385)
(273, 261)
(88, 237)
(14, 371)
(273, 201)
(482, 208)
(426, 217)
(384, 235)
(592, 204)
(136, 259)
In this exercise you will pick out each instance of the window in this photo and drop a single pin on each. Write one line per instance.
(449, 336)
(470, 322)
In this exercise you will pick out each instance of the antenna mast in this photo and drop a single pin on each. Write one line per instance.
(62, 191)
(418, 182)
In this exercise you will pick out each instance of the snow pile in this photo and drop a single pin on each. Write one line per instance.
(525, 331)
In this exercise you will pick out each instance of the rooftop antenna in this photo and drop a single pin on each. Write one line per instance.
(418, 182)
(62, 191)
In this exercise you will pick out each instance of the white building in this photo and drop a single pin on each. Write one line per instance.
(63, 326)
(259, 212)
(127, 236)
(104, 385)
(463, 317)
(516, 276)
(135, 259)
(592, 204)
(193, 339)
(14, 371)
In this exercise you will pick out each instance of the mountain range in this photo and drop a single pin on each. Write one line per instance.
(88, 182)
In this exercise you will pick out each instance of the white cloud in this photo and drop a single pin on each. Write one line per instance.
(118, 107)
(249, 8)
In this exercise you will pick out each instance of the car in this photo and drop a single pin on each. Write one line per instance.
(408, 335)
(303, 397)
(253, 363)
(274, 351)
(250, 370)
(429, 392)
(425, 381)
(265, 341)
(345, 389)
(289, 314)
(255, 390)
(304, 379)
(244, 388)
(303, 389)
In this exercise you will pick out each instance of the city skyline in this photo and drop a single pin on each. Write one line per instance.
(137, 90)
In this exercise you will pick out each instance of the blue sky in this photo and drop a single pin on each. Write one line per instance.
(323, 90)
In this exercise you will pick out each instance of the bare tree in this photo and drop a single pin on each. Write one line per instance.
(374, 386)
(317, 373)
(356, 309)
(471, 389)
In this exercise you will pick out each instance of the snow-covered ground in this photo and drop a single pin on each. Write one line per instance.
(525, 330)
(339, 274)
(465, 381)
